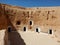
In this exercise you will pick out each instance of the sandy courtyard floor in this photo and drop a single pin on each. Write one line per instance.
(2, 33)
(34, 38)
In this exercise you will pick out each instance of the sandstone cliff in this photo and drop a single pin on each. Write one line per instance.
(43, 17)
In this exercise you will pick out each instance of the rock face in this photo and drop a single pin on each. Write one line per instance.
(37, 19)
(3, 19)
(43, 18)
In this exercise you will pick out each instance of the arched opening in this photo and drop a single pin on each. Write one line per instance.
(50, 31)
(36, 29)
(30, 22)
(24, 29)
(9, 29)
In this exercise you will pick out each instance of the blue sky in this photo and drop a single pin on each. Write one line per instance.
(32, 3)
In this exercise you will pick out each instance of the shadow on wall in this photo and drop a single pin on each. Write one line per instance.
(13, 38)
(6, 38)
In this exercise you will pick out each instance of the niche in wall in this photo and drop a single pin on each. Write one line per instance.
(18, 22)
(9, 29)
(50, 31)
(37, 29)
(24, 29)
(31, 23)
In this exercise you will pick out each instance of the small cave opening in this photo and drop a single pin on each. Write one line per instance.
(36, 29)
(9, 29)
(30, 22)
(18, 23)
(24, 29)
(50, 31)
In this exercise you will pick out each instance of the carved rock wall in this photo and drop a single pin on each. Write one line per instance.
(44, 18)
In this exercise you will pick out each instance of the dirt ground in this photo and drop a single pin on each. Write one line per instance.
(27, 38)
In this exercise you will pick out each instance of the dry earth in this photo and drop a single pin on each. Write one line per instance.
(30, 38)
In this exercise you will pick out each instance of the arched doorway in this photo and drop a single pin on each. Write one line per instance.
(9, 29)
(50, 31)
(24, 29)
(38, 30)
(31, 23)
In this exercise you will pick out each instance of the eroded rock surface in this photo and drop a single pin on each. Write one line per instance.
(44, 18)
